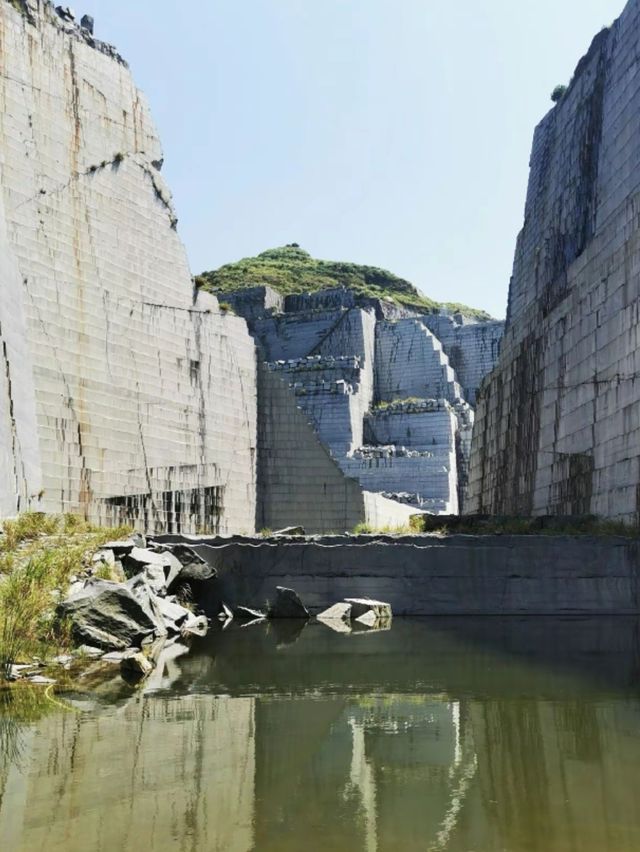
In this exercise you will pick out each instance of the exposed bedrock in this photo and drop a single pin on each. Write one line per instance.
(381, 398)
(558, 421)
(456, 575)
(120, 396)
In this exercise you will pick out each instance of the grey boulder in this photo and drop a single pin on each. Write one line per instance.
(113, 616)
(193, 566)
(287, 605)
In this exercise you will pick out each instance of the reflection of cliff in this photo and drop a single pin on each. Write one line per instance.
(160, 775)
(482, 750)
(558, 776)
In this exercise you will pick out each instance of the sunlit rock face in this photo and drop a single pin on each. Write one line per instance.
(558, 423)
(379, 392)
(121, 396)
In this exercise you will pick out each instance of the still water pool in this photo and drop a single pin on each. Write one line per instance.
(469, 735)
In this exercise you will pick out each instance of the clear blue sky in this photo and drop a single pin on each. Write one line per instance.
(389, 132)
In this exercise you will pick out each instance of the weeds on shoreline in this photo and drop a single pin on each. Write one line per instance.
(38, 555)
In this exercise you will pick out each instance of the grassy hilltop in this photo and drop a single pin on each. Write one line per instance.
(290, 269)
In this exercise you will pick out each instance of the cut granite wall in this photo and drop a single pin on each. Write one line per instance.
(340, 359)
(558, 426)
(299, 482)
(410, 362)
(144, 401)
(472, 347)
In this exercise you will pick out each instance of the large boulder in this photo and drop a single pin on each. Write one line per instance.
(113, 616)
(287, 605)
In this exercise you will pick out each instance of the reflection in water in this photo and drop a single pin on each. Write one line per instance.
(456, 735)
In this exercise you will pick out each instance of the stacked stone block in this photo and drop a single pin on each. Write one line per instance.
(419, 455)
(410, 362)
(472, 347)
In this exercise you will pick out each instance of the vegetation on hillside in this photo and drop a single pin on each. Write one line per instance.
(38, 555)
(292, 270)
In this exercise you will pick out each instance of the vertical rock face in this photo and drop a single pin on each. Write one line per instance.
(122, 397)
(558, 422)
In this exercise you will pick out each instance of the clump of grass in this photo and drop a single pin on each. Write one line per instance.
(265, 532)
(409, 400)
(388, 529)
(38, 555)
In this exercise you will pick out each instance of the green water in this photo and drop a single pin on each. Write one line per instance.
(470, 735)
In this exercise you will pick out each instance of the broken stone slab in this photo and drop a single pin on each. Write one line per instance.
(105, 556)
(113, 657)
(136, 665)
(287, 605)
(291, 531)
(243, 613)
(120, 548)
(195, 626)
(113, 616)
(370, 619)
(193, 566)
(337, 625)
(252, 623)
(173, 614)
(40, 680)
(159, 569)
(337, 612)
(360, 606)
(225, 613)
(89, 651)
(366, 625)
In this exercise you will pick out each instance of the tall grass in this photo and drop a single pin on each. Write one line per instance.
(38, 554)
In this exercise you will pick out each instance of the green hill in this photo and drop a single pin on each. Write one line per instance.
(292, 270)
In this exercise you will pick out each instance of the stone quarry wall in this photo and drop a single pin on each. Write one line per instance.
(471, 347)
(299, 482)
(558, 426)
(430, 575)
(144, 400)
(344, 358)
